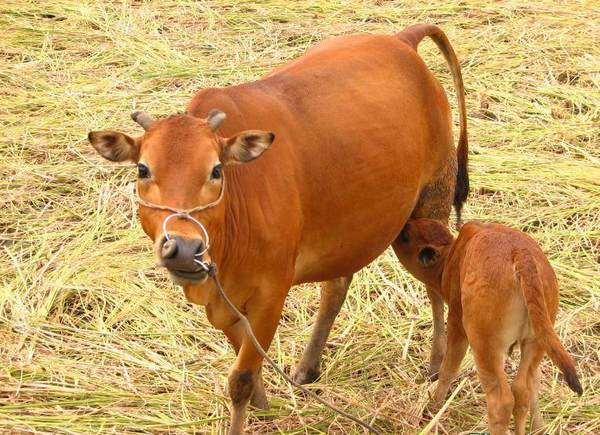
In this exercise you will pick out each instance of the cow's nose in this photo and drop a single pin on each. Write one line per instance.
(169, 249)
(178, 253)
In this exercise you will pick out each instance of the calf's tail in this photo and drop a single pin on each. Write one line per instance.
(531, 285)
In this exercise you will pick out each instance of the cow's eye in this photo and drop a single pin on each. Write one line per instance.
(143, 171)
(216, 172)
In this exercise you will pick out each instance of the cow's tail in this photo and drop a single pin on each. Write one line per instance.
(531, 285)
(412, 36)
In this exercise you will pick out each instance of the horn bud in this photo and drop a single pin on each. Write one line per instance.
(142, 118)
(215, 118)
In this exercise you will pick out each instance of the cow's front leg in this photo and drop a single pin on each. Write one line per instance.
(333, 295)
(235, 333)
(438, 347)
(245, 373)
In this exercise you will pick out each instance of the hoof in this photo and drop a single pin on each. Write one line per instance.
(306, 376)
(431, 410)
(437, 356)
(434, 367)
(259, 401)
(537, 424)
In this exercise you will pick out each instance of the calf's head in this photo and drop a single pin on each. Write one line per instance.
(180, 165)
(422, 248)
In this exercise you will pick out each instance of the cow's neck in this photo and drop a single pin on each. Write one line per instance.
(234, 251)
(232, 236)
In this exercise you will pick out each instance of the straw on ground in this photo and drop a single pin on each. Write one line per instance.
(94, 338)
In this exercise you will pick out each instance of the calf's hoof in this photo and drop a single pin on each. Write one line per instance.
(306, 375)
(537, 425)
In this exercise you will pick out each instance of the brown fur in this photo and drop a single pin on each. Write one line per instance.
(333, 294)
(413, 36)
(500, 289)
(363, 131)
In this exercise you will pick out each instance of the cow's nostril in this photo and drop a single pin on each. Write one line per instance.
(169, 249)
(199, 249)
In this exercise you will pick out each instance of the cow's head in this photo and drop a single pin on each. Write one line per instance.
(180, 161)
(422, 248)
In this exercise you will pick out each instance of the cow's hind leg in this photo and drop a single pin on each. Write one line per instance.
(438, 346)
(435, 202)
(333, 294)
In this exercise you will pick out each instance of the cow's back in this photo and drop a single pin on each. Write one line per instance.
(361, 126)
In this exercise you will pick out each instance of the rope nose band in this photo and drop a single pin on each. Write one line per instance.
(190, 218)
(198, 255)
(187, 211)
(187, 215)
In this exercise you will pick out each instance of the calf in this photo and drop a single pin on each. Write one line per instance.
(501, 290)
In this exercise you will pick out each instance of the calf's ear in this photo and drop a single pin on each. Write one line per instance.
(428, 256)
(246, 146)
(115, 146)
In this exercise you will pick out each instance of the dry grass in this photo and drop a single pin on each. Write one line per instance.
(95, 339)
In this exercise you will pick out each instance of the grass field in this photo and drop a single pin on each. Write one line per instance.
(95, 339)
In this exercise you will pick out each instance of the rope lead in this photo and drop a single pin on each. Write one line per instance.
(212, 272)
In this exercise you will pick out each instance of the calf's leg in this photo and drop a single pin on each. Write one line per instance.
(457, 348)
(489, 359)
(537, 421)
(333, 295)
(486, 319)
(522, 386)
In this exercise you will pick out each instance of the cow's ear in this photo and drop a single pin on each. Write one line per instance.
(429, 255)
(115, 146)
(246, 146)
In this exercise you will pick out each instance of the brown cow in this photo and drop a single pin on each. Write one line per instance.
(501, 290)
(364, 141)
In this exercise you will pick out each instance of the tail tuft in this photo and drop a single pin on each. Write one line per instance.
(573, 382)
(461, 190)
(532, 287)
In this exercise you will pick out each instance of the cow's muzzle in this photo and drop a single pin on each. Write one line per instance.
(184, 256)
(181, 256)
